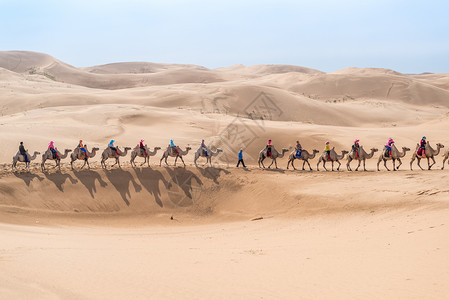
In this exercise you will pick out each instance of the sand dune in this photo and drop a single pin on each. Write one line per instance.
(171, 232)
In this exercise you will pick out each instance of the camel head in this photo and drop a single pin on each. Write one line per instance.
(440, 145)
(315, 151)
(188, 148)
(95, 149)
(284, 150)
(405, 149)
(374, 149)
(344, 152)
(157, 148)
(126, 148)
(219, 150)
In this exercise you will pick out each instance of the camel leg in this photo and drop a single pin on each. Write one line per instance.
(364, 168)
(275, 163)
(348, 166)
(444, 161)
(339, 164)
(358, 166)
(261, 162)
(411, 163)
(288, 163)
(324, 164)
(385, 164)
(176, 159)
(307, 163)
(430, 166)
(394, 165)
(272, 160)
(419, 163)
(400, 163)
(180, 157)
(118, 162)
(85, 161)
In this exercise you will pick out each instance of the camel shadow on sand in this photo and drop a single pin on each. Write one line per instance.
(59, 179)
(88, 178)
(120, 179)
(212, 173)
(149, 179)
(183, 187)
(27, 177)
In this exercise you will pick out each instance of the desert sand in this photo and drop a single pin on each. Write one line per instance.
(220, 232)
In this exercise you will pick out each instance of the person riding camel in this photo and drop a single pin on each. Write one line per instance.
(422, 147)
(327, 149)
(204, 147)
(298, 149)
(111, 145)
(51, 146)
(388, 147)
(269, 145)
(173, 146)
(142, 147)
(23, 151)
(82, 148)
(356, 147)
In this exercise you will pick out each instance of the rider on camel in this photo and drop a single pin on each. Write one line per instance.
(298, 150)
(23, 151)
(422, 147)
(51, 146)
(269, 145)
(111, 145)
(388, 147)
(204, 147)
(356, 147)
(142, 147)
(173, 146)
(82, 148)
(327, 149)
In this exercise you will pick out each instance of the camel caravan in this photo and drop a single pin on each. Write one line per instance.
(357, 153)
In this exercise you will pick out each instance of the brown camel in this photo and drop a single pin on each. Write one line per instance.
(177, 154)
(362, 157)
(21, 158)
(109, 153)
(48, 155)
(79, 154)
(430, 154)
(200, 153)
(274, 155)
(446, 157)
(305, 156)
(334, 157)
(395, 155)
(137, 151)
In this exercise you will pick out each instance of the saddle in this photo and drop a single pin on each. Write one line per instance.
(421, 152)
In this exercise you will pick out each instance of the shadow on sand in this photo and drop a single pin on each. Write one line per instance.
(120, 179)
(88, 178)
(27, 177)
(59, 179)
(184, 186)
(149, 179)
(212, 173)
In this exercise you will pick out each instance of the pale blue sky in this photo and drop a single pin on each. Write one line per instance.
(407, 36)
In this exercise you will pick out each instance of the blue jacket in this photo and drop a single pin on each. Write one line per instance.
(241, 155)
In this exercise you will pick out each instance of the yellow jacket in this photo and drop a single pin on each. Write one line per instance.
(327, 148)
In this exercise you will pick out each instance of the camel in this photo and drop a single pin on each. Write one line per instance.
(171, 152)
(109, 153)
(362, 157)
(446, 157)
(305, 156)
(21, 158)
(48, 155)
(334, 157)
(274, 155)
(138, 152)
(395, 155)
(79, 154)
(200, 153)
(430, 154)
